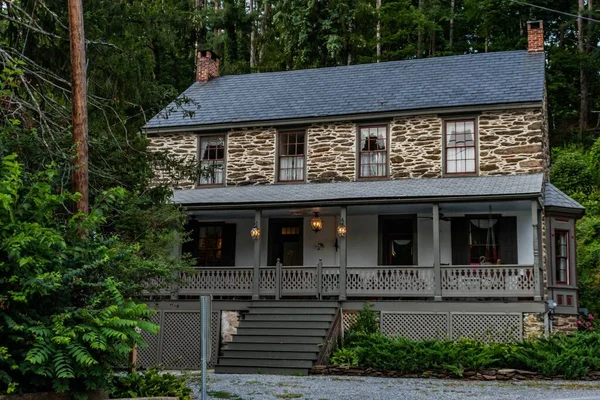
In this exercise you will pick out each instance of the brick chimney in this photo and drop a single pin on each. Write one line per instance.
(535, 36)
(207, 65)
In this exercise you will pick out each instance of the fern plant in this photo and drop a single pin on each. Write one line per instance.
(64, 322)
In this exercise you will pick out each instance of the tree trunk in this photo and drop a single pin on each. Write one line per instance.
(583, 106)
(378, 7)
(217, 8)
(79, 94)
(265, 26)
(420, 34)
(252, 36)
(452, 6)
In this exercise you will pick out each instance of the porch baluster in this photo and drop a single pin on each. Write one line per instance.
(278, 279)
(319, 278)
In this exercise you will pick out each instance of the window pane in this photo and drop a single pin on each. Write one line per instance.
(212, 157)
(291, 156)
(561, 249)
(373, 151)
(460, 147)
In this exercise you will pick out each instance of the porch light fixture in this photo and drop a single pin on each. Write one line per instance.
(255, 232)
(316, 223)
(341, 229)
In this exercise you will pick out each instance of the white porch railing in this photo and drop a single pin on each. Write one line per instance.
(390, 281)
(381, 281)
(488, 281)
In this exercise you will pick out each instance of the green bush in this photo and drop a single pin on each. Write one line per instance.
(366, 321)
(151, 383)
(572, 356)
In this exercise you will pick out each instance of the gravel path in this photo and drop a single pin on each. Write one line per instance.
(272, 387)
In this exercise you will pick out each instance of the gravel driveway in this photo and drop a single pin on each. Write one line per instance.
(272, 387)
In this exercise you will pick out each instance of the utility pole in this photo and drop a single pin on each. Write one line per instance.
(79, 94)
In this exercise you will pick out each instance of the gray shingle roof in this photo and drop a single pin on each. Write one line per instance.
(554, 197)
(466, 80)
(364, 191)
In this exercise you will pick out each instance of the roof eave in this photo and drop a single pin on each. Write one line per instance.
(365, 201)
(565, 211)
(338, 117)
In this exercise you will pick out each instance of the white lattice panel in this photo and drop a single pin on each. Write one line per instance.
(487, 327)
(348, 319)
(415, 326)
(181, 340)
(148, 357)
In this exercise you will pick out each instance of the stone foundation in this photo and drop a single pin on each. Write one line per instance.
(562, 323)
(230, 321)
(533, 325)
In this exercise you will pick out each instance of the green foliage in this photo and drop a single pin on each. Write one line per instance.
(572, 356)
(64, 321)
(573, 172)
(366, 321)
(151, 383)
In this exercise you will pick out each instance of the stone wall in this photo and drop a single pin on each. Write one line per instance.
(512, 142)
(251, 156)
(533, 325)
(562, 323)
(416, 147)
(184, 146)
(331, 153)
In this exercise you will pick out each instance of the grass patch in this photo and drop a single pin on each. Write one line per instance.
(289, 396)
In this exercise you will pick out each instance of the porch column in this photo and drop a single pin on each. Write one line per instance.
(256, 275)
(343, 254)
(537, 294)
(437, 270)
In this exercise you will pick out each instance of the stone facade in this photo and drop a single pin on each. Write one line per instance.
(331, 152)
(184, 146)
(416, 147)
(230, 322)
(533, 325)
(251, 156)
(512, 142)
(562, 323)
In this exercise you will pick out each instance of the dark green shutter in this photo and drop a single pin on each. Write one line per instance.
(507, 240)
(228, 256)
(460, 241)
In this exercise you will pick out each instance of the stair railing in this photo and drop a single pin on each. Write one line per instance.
(332, 340)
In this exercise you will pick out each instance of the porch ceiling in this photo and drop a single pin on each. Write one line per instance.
(512, 187)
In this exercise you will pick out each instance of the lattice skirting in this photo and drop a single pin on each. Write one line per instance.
(177, 345)
(485, 327)
(348, 318)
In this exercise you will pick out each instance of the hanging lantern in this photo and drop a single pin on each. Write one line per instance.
(341, 229)
(255, 232)
(316, 223)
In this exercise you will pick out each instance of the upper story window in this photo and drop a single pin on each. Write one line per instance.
(561, 255)
(292, 152)
(459, 137)
(212, 160)
(372, 152)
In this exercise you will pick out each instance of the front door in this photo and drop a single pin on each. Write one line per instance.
(285, 241)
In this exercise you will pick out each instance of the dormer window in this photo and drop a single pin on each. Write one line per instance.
(292, 150)
(212, 160)
(372, 152)
(460, 147)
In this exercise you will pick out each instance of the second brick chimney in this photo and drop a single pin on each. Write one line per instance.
(535, 36)
(207, 65)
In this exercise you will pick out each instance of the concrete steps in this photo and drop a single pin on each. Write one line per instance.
(278, 337)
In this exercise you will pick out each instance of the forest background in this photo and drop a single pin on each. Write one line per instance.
(141, 56)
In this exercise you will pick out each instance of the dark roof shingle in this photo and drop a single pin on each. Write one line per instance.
(368, 191)
(466, 80)
(554, 197)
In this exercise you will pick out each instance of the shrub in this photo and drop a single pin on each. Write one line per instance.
(572, 356)
(366, 321)
(151, 383)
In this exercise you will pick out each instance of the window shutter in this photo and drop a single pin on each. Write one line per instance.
(460, 241)
(228, 256)
(507, 240)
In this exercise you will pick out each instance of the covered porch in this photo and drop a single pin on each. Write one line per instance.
(449, 245)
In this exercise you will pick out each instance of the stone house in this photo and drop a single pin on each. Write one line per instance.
(419, 185)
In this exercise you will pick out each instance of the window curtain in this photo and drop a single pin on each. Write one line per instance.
(373, 157)
(211, 162)
(291, 168)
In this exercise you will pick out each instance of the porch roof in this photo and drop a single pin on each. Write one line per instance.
(556, 200)
(509, 187)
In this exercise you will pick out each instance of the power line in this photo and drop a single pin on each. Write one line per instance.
(554, 11)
